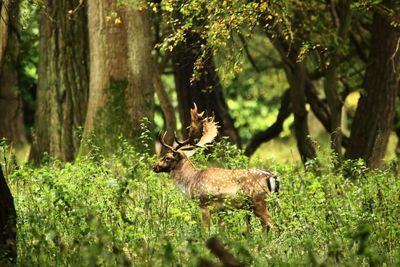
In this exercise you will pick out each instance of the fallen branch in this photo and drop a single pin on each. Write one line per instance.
(226, 258)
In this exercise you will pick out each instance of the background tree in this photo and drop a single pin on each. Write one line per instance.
(197, 81)
(121, 69)
(62, 90)
(8, 227)
(373, 120)
(11, 112)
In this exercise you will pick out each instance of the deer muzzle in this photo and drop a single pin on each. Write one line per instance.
(160, 168)
(156, 168)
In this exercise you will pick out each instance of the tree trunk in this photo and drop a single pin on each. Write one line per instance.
(11, 112)
(8, 227)
(331, 85)
(121, 69)
(297, 90)
(373, 120)
(206, 91)
(297, 78)
(335, 106)
(63, 80)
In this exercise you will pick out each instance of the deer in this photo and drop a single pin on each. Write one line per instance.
(214, 187)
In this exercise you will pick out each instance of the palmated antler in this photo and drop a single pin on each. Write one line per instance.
(202, 132)
(209, 132)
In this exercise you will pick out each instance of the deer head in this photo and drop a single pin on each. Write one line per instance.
(202, 130)
(170, 159)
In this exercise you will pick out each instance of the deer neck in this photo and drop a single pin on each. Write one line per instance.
(184, 176)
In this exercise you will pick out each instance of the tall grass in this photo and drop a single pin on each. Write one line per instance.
(114, 211)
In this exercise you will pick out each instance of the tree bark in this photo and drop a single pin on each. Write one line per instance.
(373, 120)
(8, 225)
(63, 80)
(121, 70)
(206, 91)
(11, 111)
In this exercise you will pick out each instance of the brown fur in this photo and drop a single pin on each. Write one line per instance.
(214, 186)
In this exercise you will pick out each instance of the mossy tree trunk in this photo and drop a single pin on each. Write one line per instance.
(373, 120)
(205, 90)
(11, 112)
(8, 227)
(63, 80)
(121, 68)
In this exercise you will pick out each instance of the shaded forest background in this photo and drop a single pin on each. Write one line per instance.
(267, 70)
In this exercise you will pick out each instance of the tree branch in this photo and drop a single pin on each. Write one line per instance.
(275, 129)
(320, 109)
(247, 52)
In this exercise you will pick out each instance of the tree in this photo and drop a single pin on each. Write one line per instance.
(331, 85)
(197, 81)
(11, 115)
(297, 81)
(373, 120)
(121, 69)
(8, 227)
(63, 79)
(275, 129)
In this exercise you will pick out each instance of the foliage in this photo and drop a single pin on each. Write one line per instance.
(113, 211)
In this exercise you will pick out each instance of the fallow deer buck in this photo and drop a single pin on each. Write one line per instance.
(214, 187)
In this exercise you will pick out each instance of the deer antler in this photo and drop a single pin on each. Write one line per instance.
(202, 130)
(196, 125)
(161, 139)
(210, 131)
(195, 128)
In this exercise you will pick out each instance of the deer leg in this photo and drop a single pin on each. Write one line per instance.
(261, 211)
(205, 213)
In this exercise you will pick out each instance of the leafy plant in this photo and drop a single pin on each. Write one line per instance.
(113, 211)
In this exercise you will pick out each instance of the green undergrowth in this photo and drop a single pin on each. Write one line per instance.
(114, 211)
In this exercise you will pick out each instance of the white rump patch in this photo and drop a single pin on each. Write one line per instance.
(271, 178)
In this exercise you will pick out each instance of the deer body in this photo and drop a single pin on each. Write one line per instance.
(221, 182)
(241, 188)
